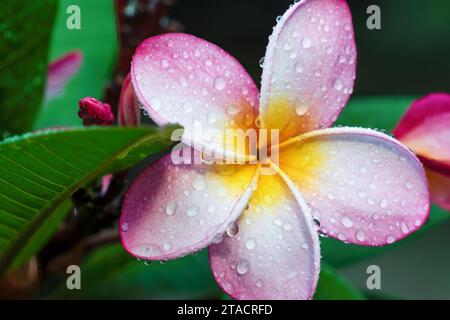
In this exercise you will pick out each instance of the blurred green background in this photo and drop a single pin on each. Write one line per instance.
(407, 58)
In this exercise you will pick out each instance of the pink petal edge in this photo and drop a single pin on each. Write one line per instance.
(129, 112)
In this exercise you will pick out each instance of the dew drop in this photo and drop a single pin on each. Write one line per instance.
(171, 207)
(211, 117)
(259, 283)
(220, 83)
(346, 222)
(165, 63)
(125, 227)
(221, 192)
(299, 67)
(390, 239)
(212, 208)
(278, 222)
(232, 229)
(307, 43)
(287, 226)
(404, 228)
(233, 110)
(188, 107)
(261, 62)
(192, 211)
(338, 85)
(155, 103)
(360, 235)
(250, 243)
(408, 185)
(248, 120)
(383, 203)
(242, 267)
(301, 109)
(199, 183)
(167, 246)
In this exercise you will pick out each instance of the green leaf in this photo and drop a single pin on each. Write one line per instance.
(376, 112)
(333, 286)
(381, 113)
(40, 171)
(42, 234)
(97, 40)
(110, 272)
(25, 33)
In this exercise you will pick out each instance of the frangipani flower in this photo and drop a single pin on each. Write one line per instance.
(362, 186)
(425, 128)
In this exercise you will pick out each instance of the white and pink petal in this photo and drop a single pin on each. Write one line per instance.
(179, 78)
(425, 128)
(363, 186)
(309, 67)
(273, 251)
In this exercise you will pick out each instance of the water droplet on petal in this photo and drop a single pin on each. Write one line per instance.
(212, 208)
(199, 183)
(338, 85)
(250, 243)
(187, 107)
(404, 228)
(390, 239)
(301, 109)
(360, 235)
(165, 63)
(171, 207)
(167, 246)
(242, 267)
(192, 211)
(124, 227)
(307, 43)
(299, 67)
(233, 110)
(261, 62)
(383, 203)
(346, 222)
(212, 118)
(408, 185)
(232, 229)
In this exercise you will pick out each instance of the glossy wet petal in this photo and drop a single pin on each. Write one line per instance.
(309, 67)
(273, 252)
(183, 79)
(363, 186)
(172, 210)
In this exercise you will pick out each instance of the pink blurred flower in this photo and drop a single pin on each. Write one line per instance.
(60, 72)
(425, 128)
(362, 186)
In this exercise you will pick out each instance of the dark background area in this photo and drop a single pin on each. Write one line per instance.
(409, 55)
